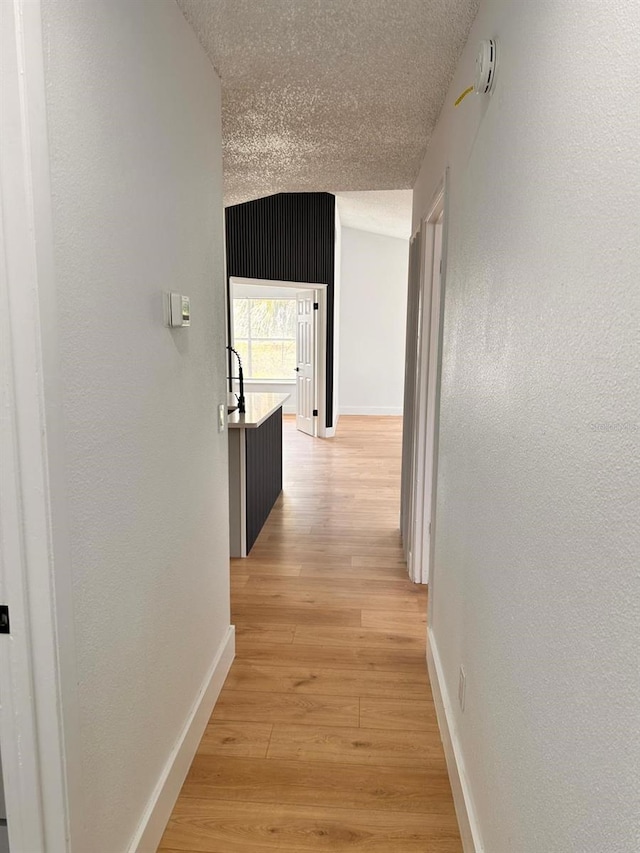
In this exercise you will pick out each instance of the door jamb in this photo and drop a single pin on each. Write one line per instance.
(430, 569)
(321, 337)
(422, 557)
(415, 517)
(411, 366)
(39, 713)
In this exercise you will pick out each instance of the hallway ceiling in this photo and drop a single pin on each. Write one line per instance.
(385, 212)
(328, 94)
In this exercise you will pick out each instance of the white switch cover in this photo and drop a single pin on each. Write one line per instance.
(179, 310)
(222, 417)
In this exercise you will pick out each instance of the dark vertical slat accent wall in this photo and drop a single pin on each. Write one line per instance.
(264, 473)
(286, 237)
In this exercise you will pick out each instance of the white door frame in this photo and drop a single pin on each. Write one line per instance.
(417, 520)
(408, 425)
(39, 729)
(320, 332)
(427, 397)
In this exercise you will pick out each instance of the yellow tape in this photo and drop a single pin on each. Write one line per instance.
(463, 96)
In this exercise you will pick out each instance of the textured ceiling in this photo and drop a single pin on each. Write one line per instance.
(382, 212)
(328, 94)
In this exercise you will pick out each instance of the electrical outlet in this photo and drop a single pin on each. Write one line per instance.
(222, 417)
(462, 687)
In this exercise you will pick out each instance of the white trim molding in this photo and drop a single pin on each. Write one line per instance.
(158, 810)
(371, 410)
(329, 432)
(275, 282)
(39, 731)
(462, 799)
(269, 381)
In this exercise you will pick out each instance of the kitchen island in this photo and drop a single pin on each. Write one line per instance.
(255, 467)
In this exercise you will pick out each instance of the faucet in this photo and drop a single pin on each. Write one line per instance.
(240, 377)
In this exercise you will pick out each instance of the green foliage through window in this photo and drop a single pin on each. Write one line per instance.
(265, 336)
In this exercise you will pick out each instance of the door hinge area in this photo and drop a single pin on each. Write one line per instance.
(316, 305)
(5, 628)
(315, 413)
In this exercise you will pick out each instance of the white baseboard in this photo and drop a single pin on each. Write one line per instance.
(370, 410)
(158, 811)
(467, 821)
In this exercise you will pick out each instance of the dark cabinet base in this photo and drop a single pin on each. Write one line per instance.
(263, 473)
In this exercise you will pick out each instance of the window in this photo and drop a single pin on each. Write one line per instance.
(264, 333)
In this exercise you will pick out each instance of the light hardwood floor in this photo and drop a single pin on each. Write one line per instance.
(324, 737)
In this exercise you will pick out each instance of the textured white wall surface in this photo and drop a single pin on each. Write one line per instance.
(537, 536)
(373, 307)
(134, 119)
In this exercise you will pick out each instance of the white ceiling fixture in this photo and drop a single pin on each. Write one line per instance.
(328, 94)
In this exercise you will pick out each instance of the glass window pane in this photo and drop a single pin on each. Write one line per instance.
(272, 318)
(240, 318)
(273, 359)
(289, 319)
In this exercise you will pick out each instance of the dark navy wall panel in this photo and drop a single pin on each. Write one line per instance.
(264, 473)
(287, 237)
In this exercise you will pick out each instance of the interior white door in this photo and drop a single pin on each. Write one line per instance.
(423, 326)
(410, 391)
(421, 389)
(431, 407)
(305, 362)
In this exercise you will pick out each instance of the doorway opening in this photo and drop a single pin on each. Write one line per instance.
(279, 328)
(422, 390)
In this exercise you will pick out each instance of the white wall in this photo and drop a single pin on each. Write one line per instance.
(135, 139)
(537, 534)
(373, 308)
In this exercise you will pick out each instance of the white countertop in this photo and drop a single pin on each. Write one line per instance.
(259, 406)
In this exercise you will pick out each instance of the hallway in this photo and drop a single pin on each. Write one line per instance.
(324, 736)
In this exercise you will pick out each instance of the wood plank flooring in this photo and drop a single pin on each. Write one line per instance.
(324, 737)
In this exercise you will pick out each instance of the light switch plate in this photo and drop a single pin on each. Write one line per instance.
(222, 417)
(179, 310)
